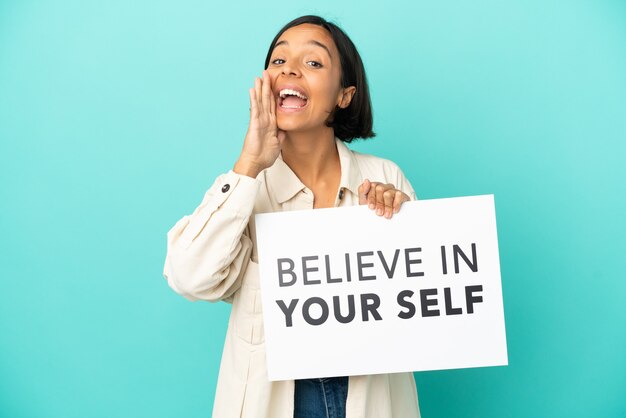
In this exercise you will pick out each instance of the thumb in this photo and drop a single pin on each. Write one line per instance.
(281, 135)
(364, 189)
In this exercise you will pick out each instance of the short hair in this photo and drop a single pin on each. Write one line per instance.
(355, 120)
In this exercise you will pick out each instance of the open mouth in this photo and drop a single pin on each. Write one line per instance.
(292, 99)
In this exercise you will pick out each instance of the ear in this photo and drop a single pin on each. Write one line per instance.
(346, 96)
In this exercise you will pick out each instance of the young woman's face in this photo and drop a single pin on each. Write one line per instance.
(306, 59)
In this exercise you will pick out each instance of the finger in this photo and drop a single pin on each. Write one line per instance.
(380, 199)
(398, 200)
(272, 105)
(257, 92)
(253, 105)
(388, 197)
(364, 189)
(265, 91)
(371, 195)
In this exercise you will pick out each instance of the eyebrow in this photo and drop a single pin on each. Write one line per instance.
(311, 42)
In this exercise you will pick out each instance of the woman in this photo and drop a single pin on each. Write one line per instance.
(312, 97)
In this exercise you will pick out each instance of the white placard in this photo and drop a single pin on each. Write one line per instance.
(346, 292)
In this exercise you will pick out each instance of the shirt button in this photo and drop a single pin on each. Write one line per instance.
(340, 194)
(225, 188)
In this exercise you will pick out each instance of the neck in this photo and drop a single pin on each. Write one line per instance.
(312, 156)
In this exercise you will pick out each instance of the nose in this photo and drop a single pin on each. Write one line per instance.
(289, 68)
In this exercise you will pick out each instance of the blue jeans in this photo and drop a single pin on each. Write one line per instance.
(321, 398)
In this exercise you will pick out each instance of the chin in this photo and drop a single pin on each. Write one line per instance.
(287, 126)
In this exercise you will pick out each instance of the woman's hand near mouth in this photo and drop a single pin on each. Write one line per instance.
(263, 140)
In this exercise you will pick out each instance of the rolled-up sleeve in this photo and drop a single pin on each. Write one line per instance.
(208, 251)
(404, 185)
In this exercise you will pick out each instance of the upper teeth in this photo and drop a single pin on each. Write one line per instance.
(285, 92)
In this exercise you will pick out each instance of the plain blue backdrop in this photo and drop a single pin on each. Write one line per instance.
(115, 117)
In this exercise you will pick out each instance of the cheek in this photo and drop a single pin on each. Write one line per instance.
(273, 76)
(326, 94)
(331, 88)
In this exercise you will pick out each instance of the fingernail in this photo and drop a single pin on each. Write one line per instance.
(379, 212)
(371, 206)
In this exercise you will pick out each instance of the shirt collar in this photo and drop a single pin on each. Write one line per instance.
(351, 177)
(284, 183)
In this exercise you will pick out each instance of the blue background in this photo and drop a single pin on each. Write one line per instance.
(115, 117)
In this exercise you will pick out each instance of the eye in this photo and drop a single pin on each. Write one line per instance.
(277, 59)
(318, 65)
